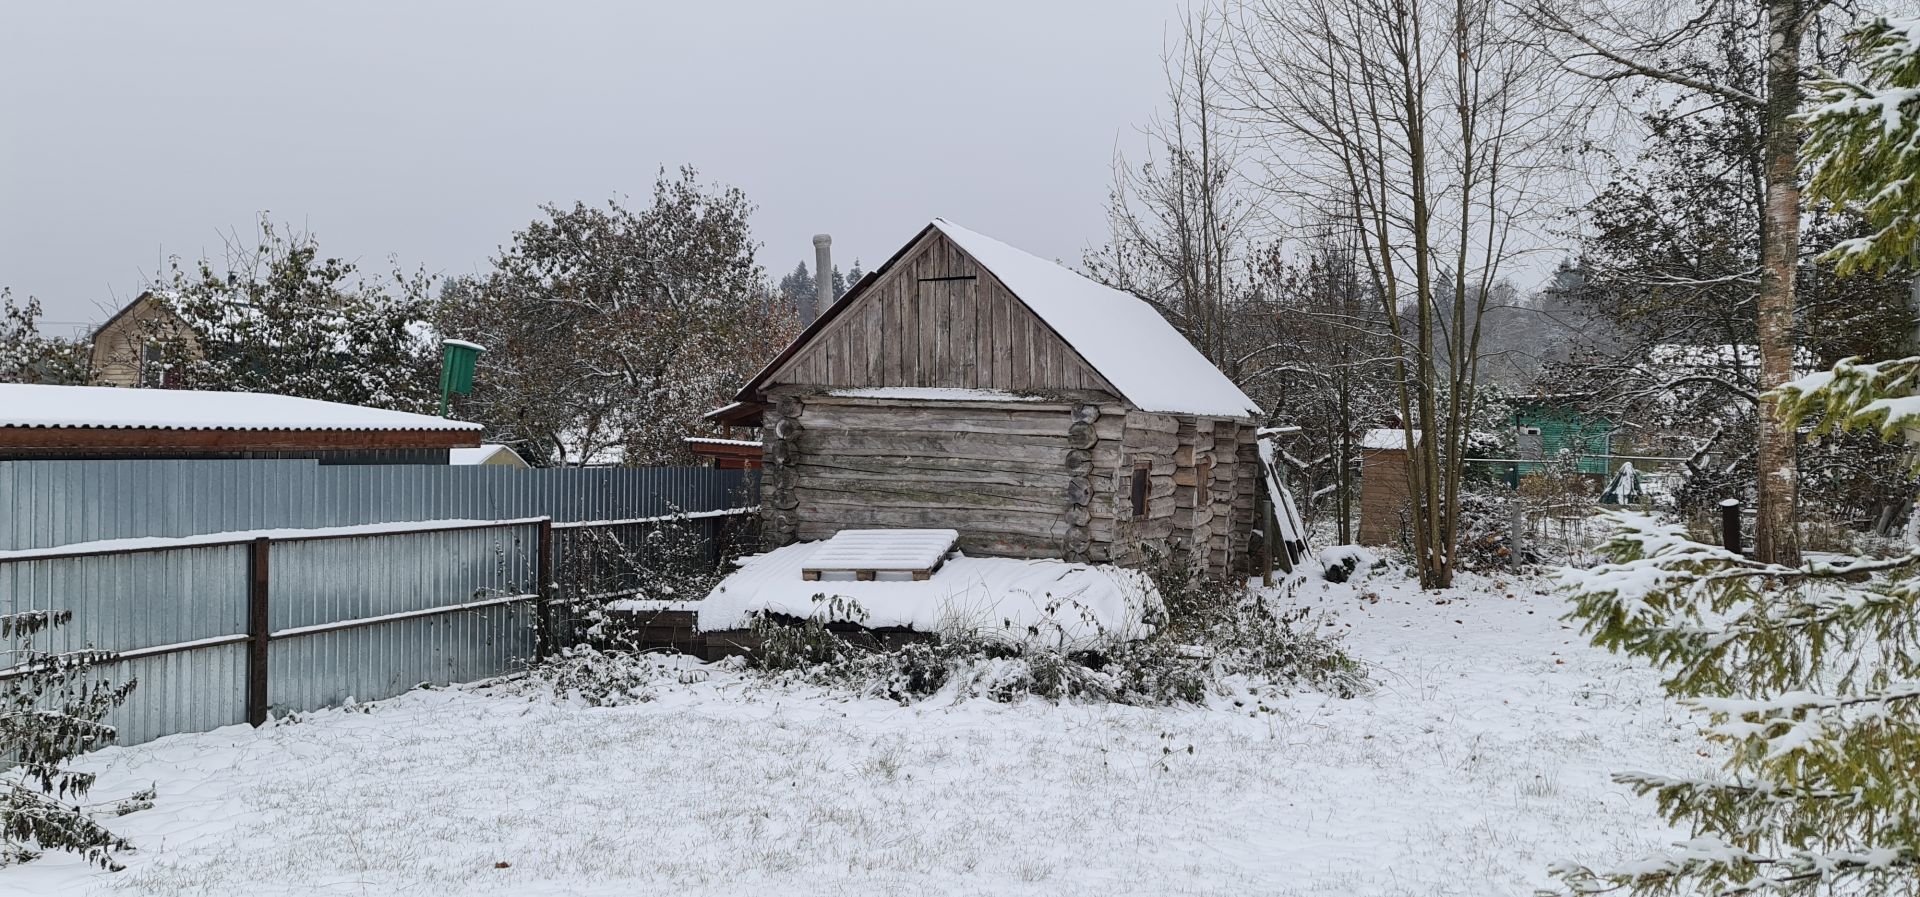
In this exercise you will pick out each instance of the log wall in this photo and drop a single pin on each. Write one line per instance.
(1017, 479)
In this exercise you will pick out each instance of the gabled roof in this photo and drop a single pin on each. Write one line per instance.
(1119, 335)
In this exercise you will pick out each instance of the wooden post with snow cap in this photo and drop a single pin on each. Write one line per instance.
(1730, 524)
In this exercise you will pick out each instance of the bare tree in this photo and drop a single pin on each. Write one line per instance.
(1432, 122)
(1628, 41)
(1182, 222)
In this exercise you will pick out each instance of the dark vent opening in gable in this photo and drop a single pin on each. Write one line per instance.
(955, 277)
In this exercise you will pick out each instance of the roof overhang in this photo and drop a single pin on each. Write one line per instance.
(158, 440)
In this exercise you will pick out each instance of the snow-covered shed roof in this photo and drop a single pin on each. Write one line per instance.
(488, 454)
(114, 408)
(1118, 334)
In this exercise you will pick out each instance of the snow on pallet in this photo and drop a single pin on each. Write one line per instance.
(879, 554)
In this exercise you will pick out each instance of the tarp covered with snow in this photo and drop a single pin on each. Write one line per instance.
(1122, 337)
(1047, 601)
(106, 407)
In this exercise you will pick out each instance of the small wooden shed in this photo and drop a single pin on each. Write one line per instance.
(968, 385)
(1386, 490)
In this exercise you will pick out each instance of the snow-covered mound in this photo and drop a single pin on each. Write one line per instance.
(1055, 602)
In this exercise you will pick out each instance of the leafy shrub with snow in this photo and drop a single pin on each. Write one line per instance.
(50, 712)
(674, 559)
(598, 678)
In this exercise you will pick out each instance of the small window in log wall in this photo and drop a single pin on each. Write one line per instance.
(1142, 476)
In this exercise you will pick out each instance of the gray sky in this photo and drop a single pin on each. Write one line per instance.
(431, 131)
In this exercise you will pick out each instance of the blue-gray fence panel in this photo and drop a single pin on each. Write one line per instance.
(129, 602)
(315, 583)
(62, 502)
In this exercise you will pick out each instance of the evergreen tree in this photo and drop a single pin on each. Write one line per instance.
(50, 712)
(1863, 146)
(798, 285)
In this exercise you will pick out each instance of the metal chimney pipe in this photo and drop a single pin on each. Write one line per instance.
(822, 275)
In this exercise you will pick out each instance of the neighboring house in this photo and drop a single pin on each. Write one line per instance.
(727, 454)
(98, 422)
(1551, 427)
(127, 349)
(968, 385)
(488, 455)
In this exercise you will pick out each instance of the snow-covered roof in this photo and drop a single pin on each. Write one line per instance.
(1735, 355)
(106, 407)
(484, 454)
(1121, 336)
(1384, 438)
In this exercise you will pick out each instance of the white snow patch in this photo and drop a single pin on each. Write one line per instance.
(1385, 438)
(1055, 602)
(36, 405)
(1122, 337)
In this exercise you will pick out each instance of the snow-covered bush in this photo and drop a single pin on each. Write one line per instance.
(50, 712)
(1217, 638)
(596, 678)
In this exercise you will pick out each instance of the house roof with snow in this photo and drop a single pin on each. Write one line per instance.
(38, 418)
(957, 315)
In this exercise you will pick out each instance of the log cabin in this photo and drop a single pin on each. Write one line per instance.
(968, 385)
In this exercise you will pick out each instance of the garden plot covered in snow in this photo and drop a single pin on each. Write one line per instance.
(1054, 602)
(1482, 757)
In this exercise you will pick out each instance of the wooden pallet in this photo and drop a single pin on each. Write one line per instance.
(883, 555)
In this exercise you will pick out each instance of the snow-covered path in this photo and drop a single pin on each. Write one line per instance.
(1482, 757)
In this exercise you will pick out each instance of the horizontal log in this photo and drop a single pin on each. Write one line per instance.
(970, 522)
(926, 474)
(1051, 451)
(825, 401)
(1050, 423)
(1153, 423)
(976, 496)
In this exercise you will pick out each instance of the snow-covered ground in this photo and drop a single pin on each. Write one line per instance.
(1482, 757)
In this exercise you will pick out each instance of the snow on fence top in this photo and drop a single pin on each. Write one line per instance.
(106, 407)
(1122, 337)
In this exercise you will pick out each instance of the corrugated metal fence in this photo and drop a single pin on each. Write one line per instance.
(62, 502)
(308, 619)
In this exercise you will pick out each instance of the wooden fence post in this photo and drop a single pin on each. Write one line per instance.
(1730, 524)
(257, 630)
(543, 628)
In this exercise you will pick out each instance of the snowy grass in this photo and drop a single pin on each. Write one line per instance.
(1482, 756)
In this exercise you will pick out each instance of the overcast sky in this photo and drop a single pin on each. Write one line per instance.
(431, 131)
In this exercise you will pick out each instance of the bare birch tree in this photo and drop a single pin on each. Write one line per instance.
(1643, 41)
(1430, 119)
